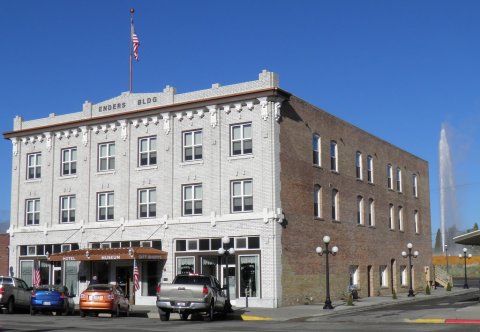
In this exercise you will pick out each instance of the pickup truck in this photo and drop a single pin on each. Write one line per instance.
(14, 293)
(189, 294)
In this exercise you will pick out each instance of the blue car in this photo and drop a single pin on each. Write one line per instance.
(52, 298)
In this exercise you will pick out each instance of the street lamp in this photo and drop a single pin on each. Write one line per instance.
(410, 255)
(320, 251)
(465, 256)
(446, 255)
(226, 253)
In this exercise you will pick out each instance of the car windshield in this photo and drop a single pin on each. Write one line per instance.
(192, 280)
(104, 288)
(51, 288)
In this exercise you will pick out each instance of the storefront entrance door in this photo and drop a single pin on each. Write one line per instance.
(123, 277)
(232, 279)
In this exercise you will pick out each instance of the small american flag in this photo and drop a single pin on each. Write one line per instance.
(136, 276)
(135, 43)
(36, 274)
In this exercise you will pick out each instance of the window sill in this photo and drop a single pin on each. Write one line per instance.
(236, 212)
(193, 162)
(391, 230)
(360, 225)
(105, 172)
(359, 180)
(145, 168)
(65, 177)
(372, 226)
(336, 221)
(243, 156)
(33, 180)
(371, 183)
(334, 172)
(317, 166)
(318, 218)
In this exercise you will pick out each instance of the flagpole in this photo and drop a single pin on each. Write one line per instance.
(131, 45)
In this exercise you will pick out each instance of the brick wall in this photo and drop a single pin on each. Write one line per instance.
(303, 270)
(4, 241)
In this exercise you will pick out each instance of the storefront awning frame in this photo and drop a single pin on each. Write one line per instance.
(109, 254)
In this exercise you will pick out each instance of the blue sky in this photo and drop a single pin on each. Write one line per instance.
(397, 69)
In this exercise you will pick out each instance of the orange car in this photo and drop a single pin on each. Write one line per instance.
(103, 298)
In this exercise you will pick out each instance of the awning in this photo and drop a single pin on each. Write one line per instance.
(472, 238)
(108, 254)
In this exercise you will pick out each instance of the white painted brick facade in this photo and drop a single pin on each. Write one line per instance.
(166, 116)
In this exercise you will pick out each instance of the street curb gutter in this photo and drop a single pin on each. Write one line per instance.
(443, 321)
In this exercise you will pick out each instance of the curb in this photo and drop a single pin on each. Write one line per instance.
(443, 321)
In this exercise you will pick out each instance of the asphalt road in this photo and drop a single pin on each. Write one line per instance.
(391, 319)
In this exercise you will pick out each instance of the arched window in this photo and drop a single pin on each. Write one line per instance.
(370, 169)
(371, 212)
(316, 149)
(389, 176)
(391, 216)
(317, 201)
(335, 205)
(399, 179)
(333, 156)
(358, 166)
(400, 219)
(360, 210)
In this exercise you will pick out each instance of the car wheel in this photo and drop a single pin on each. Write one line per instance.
(10, 305)
(127, 313)
(211, 312)
(164, 315)
(184, 315)
(32, 311)
(82, 313)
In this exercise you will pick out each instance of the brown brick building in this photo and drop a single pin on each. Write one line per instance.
(376, 215)
(4, 241)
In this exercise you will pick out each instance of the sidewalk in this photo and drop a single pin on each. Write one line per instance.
(340, 308)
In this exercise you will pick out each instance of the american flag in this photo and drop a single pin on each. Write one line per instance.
(136, 276)
(135, 43)
(36, 274)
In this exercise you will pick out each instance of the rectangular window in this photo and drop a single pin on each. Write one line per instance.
(249, 276)
(147, 203)
(147, 151)
(333, 156)
(105, 206)
(241, 139)
(370, 169)
(209, 265)
(106, 157)
(69, 161)
(34, 166)
(383, 276)
(192, 200)
(185, 265)
(67, 209)
(32, 212)
(242, 196)
(192, 145)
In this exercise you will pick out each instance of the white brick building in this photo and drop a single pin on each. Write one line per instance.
(173, 171)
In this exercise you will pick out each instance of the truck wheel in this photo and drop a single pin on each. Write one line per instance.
(164, 315)
(184, 315)
(32, 311)
(10, 305)
(211, 312)
(82, 313)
